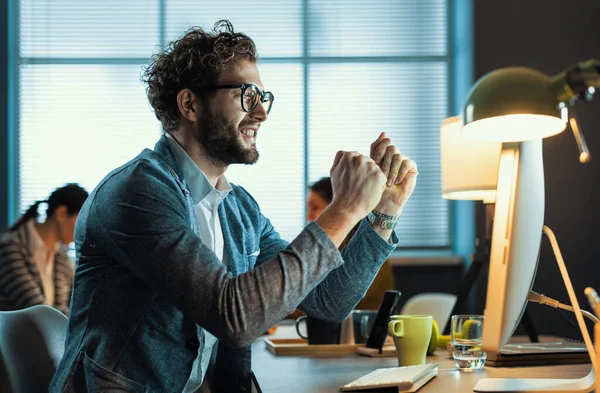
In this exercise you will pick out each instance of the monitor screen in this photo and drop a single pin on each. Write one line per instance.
(516, 238)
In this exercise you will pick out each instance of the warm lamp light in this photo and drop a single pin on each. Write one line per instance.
(517, 104)
(469, 167)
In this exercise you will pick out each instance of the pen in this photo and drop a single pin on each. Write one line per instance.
(593, 299)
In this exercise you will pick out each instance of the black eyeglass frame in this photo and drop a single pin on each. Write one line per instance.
(243, 87)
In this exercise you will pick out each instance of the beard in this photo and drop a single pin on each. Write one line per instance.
(220, 140)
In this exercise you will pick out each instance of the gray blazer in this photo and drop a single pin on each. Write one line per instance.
(145, 286)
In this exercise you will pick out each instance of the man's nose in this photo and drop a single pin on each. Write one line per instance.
(259, 113)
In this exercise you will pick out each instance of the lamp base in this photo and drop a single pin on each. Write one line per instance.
(530, 385)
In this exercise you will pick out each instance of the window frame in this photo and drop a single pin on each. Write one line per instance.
(10, 177)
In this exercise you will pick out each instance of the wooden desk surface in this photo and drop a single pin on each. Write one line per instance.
(320, 374)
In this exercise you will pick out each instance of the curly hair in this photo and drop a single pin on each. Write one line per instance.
(195, 60)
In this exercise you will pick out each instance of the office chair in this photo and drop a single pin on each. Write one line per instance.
(438, 305)
(32, 344)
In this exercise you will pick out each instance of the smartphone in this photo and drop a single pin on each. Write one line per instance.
(388, 307)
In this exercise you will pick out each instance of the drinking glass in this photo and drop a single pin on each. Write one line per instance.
(466, 341)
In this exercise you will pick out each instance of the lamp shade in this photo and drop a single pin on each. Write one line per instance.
(469, 167)
(513, 104)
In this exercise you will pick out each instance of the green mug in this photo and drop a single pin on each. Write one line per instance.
(411, 334)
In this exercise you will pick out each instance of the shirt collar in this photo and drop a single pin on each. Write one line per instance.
(197, 182)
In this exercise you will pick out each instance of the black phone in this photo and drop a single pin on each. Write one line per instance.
(388, 306)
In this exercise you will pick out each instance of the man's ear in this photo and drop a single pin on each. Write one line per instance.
(188, 105)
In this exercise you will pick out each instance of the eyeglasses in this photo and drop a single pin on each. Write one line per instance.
(251, 94)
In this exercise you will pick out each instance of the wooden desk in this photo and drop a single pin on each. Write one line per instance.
(320, 374)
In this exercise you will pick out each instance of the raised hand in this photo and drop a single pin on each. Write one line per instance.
(358, 184)
(400, 172)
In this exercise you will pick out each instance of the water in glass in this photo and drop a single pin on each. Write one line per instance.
(467, 354)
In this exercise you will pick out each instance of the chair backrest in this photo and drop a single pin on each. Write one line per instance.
(32, 343)
(438, 305)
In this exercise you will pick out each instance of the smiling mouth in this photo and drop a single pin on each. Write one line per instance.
(248, 132)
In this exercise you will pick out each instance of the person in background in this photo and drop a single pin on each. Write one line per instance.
(178, 271)
(34, 268)
(319, 197)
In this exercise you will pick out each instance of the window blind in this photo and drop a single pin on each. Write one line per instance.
(351, 103)
(77, 123)
(341, 72)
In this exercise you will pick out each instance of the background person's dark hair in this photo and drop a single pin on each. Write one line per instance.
(71, 195)
(194, 61)
(323, 188)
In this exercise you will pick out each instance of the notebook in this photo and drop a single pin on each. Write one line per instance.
(399, 379)
(543, 353)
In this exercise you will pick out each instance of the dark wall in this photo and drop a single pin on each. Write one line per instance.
(550, 35)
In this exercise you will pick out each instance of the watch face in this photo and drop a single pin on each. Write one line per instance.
(382, 220)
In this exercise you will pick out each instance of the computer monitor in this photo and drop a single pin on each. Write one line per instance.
(516, 239)
(515, 248)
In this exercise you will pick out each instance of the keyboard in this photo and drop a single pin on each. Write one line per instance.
(406, 379)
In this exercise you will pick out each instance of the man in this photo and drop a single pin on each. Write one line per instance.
(178, 271)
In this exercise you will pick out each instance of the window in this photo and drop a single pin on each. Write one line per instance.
(342, 71)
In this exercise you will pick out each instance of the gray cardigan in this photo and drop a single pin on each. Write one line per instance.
(20, 281)
(145, 285)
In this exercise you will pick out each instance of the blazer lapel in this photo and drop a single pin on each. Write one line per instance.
(233, 238)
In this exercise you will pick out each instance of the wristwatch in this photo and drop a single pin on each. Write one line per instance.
(382, 220)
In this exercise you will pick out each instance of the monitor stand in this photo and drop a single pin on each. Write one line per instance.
(531, 385)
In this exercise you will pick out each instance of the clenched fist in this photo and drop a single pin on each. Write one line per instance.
(400, 171)
(358, 184)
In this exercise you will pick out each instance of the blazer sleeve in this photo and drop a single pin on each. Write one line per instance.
(140, 217)
(335, 297)
(339, 292)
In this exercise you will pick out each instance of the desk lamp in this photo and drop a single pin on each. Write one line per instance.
(518, 106)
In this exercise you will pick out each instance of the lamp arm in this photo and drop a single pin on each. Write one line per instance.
(584, 153)
(578, 81)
